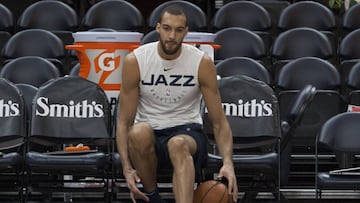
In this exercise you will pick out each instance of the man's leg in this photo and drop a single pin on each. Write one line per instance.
(143, 155)
(181, 148)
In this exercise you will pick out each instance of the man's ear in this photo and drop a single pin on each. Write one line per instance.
(157, 27)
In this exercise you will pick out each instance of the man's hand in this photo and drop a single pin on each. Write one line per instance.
(227, 172)
(132, 179)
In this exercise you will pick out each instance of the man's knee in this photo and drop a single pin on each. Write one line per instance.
(179, 146)
(141, 137)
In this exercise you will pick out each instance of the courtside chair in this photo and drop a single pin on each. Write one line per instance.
(237, 41)
(259, 167)
(49, 15)
(328, 101)
(33, 70)
(7, 19)
(115, 14)
(252, 110)
(297, 43)
(243, 66)
(245, 14)
(339, 134)
(35, 42)
(348, 53)
(6, 26)
(352, 88)
(55, 16)
(307, 14)
(310, 14)
(350, 20)
(12, 138)
(196, 17)
(69, 136)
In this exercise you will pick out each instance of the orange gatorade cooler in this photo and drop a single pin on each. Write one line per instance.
(101, 57)
(203, 40)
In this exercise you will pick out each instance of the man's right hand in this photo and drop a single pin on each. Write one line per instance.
(132, 180)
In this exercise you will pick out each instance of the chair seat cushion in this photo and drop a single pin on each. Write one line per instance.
(78, 163)
(11, 161)
(325, 180)
(268, 160)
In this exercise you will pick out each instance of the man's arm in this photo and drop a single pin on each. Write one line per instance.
(221, 128)
(129, 96)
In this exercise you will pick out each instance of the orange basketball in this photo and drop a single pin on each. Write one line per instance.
(211, 191)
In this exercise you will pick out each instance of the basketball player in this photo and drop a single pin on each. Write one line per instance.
(159, 123)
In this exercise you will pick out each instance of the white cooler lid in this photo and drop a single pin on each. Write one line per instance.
(199, 37)
(107, 36)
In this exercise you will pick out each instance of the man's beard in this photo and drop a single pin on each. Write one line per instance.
(168, 51)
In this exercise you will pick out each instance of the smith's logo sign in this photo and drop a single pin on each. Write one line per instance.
(9, 108)
(83, 109)
(252, 108)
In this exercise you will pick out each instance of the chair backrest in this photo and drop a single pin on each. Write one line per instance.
(49, 15)
(310, 14)
(74, 71)
(151, 36)
(246, 14)
(301, 42)
(70, 110)
(350, 19)
(6, 19)
(352, 88)
(243, 66)
(34, 42)
(12, 116)
(341, 133)
(309, 70)
(115, 14)
(348, 48)
(33, 70)
(353, 79)
(236, 41)
(195, 15)
(327, 101)
(274, 8)
(251, 108)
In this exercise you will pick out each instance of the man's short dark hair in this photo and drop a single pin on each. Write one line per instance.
(173, 9)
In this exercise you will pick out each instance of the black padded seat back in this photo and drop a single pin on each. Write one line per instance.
(341, 132)
(12, 116)
(68, 109)
(309, 70)
(248, 102)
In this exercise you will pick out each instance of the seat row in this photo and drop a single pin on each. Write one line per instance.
(70, 111)
(261, 16)
(65, 128)
(241, 42)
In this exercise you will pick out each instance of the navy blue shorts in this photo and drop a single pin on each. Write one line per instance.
(194, 130)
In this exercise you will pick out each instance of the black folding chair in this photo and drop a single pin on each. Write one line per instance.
(69, 137)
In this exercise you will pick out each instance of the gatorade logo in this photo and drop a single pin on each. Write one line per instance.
(82, 109)
(9, 108)
(107, 61)
(105, 64)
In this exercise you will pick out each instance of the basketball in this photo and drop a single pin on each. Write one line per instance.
(211, 191)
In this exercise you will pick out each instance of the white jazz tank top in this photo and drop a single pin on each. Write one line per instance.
(169, 89)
